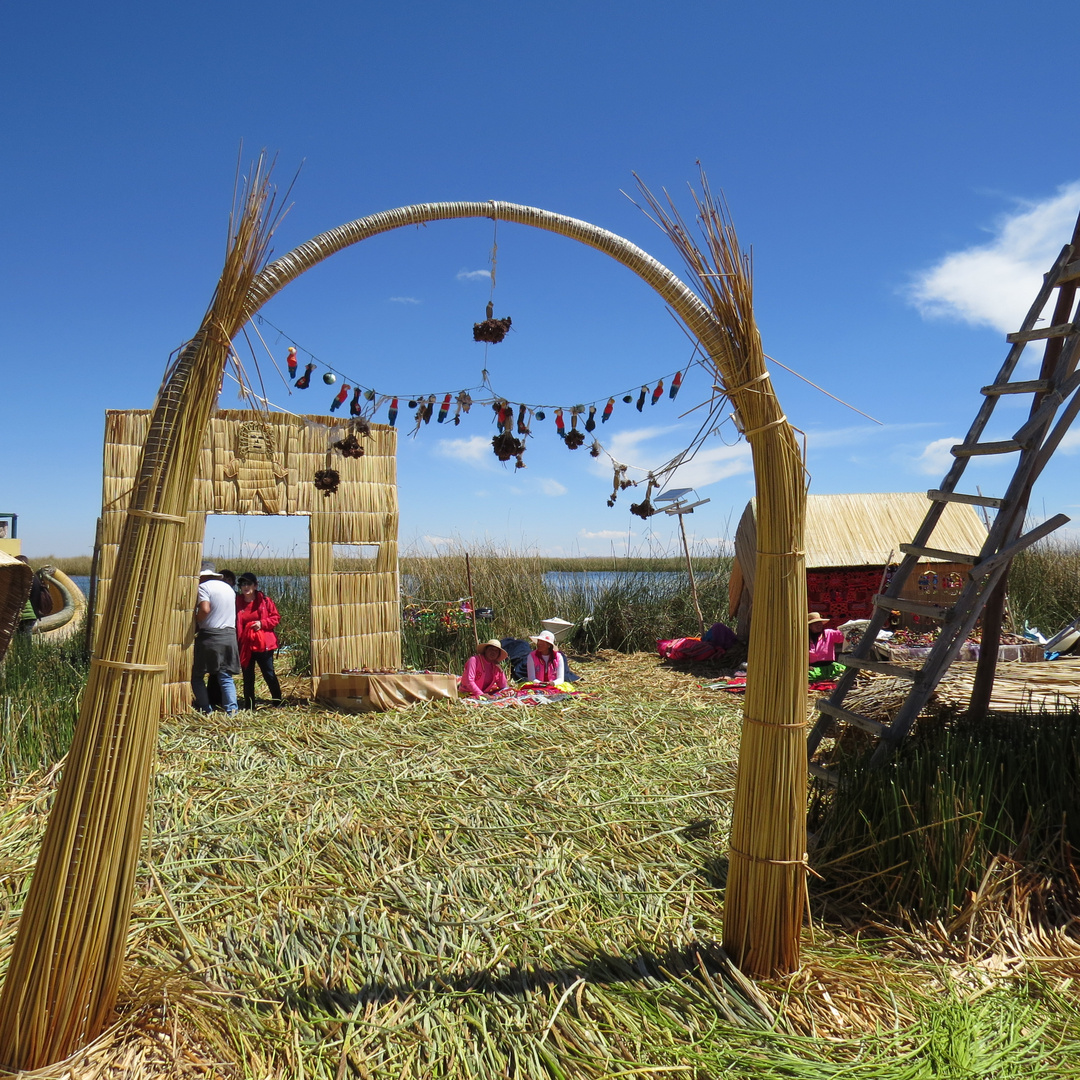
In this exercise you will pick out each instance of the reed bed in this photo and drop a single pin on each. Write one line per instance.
(487, 894)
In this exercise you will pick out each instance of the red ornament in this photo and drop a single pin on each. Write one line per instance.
(339, 400)
(658, 392)
(391, 416)
(560, 424)
(444, 408)
(675, 384)
(609, 408)
(291, 361)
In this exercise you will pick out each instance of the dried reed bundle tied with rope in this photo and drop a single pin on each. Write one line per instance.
(65, 966)
(764, 902)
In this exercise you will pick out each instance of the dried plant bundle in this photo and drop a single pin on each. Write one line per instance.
(765, 897)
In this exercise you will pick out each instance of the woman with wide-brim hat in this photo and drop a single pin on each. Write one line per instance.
(823, 645)
(546, 663)
(483, 675)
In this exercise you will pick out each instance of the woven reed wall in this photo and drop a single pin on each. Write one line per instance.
(355, 617)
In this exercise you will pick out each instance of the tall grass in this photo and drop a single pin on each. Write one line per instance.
(40, 687)
(1044, 585)
(923, 837)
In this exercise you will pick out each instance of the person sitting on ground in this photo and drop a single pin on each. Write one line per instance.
(823, 645)
(483, 675)
(546, 664)
(256, 617)
(215, 652)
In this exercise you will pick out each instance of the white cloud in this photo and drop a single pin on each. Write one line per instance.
(476, 449)
(994, 284)
(604, 534)
(439, 541)
(1070, 443)
(473, 275)
(551, 487)
(936, 458)
(712, 464)
(404, 300)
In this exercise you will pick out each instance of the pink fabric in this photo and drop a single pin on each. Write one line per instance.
(481, 676)
(261, 609)
(687, 649)
(823, 651)
(545, 669)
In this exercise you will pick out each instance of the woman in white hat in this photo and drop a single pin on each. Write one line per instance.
(483, 675)
(546, 663)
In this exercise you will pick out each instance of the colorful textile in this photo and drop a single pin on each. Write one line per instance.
(526, 695)
(687, 650)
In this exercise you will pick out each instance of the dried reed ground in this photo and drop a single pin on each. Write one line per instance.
(480, 893)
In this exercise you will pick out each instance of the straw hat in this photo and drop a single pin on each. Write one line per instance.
(496, 643)
(208, 570)
(545, 635)
(816, 617)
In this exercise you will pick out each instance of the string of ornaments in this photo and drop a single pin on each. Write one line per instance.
(513, 419)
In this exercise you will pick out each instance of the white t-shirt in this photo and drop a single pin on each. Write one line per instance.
(222, 604)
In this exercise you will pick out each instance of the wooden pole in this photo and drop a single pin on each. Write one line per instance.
(472, 600)
(690, 571)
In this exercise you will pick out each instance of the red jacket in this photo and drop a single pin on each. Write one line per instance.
(262, 610)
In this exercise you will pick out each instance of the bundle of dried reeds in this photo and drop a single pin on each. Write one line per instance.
(15, 581)
(65, 966)
(764, 904)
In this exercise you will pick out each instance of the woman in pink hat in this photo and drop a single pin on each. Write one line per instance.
(545, 661)
(483, 675)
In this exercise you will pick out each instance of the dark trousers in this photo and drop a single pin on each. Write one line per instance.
(265, 660)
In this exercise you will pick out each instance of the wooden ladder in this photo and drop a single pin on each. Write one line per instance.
(1034, 442)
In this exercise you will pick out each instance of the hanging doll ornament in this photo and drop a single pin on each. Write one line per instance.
(291, 361)
(560, 424)
(339, 398)
(354, 405)
(491, 330)
(522, 427)
(305, 380)
(618, 482)
(658, 393)
(444, 408)
(590, 422)
(464, 404)
(609, 408)
(641, 398)
(675, 384)
(429, 408)
(594, 450)
(391, 416)
(574, 438)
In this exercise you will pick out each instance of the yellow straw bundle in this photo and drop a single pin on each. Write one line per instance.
(764, 902)
(65, 967)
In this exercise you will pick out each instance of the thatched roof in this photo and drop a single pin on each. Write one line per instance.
(861, 530)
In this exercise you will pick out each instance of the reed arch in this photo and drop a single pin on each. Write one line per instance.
(763, 908)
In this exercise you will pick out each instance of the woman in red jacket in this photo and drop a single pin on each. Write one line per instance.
(256, 617)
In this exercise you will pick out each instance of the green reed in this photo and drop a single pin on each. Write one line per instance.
(918, 837)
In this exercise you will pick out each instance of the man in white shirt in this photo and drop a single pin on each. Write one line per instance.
(216, 652)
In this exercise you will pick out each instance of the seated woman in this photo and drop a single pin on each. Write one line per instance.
(483, 676)
(823, 646)
(546, 663)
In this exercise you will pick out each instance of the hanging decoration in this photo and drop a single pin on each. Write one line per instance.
(618, 482)
(590, 423)
(305, 380)
(291, 361)
(391, 416)
(349, 446)
(429, 408)
(596, 449)
(444, 408)
(329, 378)
(560, 424)
(675, 384)
(491, 330)
(609, 408)
(658, 393)
(354, 405)
(339, 397)
(326, 481)
(641, 398)
(522, 427)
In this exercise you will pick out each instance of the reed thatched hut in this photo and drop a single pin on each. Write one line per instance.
(266, 463)
(851, 542)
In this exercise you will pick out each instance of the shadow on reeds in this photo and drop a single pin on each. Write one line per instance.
(705, 963)
(968, 820)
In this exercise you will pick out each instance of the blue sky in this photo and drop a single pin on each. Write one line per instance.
(903, 173)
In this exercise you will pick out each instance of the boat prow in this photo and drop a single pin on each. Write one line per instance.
(69, 607)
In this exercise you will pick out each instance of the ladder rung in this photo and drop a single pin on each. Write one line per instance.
(1032, 386)
(830, 776)
(880, 666)
(1068, 273)
(1041, 333)
(1047, 407)
(938, 554)
(1008, 553)
(937, 495)
(1006, 446)
(912, 607)
(875, 727)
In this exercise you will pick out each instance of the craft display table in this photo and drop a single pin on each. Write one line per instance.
(371, 692)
